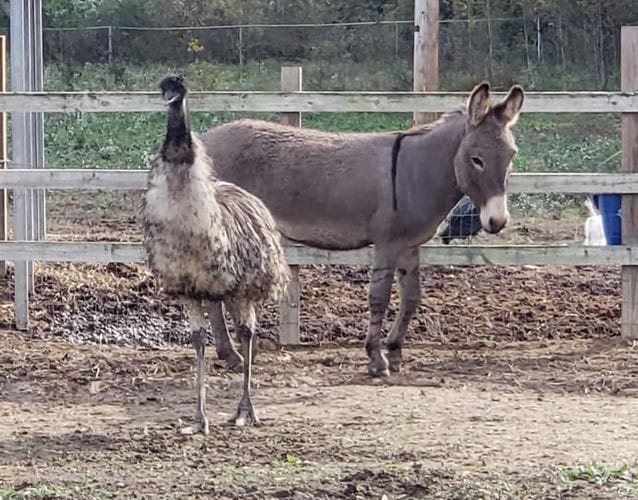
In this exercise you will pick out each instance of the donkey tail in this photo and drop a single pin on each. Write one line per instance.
(395, 155)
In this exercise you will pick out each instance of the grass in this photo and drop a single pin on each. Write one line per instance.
(577, 142)
(598, 474)
(46, 491)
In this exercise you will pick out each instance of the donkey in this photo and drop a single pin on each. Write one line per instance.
(391, 190)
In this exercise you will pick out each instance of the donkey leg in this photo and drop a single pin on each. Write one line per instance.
(378, 297)
(410, 294)
(223, 343)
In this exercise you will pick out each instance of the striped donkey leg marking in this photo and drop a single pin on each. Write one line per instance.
(378, 297)
(410, 294)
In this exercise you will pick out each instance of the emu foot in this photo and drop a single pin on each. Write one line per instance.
(378, 365)
(245, 416)
(199, 426)
(395, 358)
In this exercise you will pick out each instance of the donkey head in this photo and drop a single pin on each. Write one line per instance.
(483, 162)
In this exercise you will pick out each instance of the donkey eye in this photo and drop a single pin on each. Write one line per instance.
(477, 163)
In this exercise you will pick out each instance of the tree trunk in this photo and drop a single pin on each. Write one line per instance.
(539, 43)
(490, 41)
(561, 42)
(526, 36)
(601, 49)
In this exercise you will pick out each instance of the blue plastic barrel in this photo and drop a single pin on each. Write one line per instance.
(609, 206)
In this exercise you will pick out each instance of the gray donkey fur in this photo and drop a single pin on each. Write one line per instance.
(208, 241)
(335, 191)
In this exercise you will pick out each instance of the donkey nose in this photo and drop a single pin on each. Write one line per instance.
(496, 224)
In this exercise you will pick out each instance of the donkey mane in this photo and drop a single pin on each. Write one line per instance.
(413, 131)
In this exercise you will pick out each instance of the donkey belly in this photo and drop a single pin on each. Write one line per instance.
(333, 221)
(324, 238)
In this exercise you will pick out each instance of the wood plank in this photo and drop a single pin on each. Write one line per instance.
(74, 179)
(431, 255)
(4, 207)
(291, 81)
(18, 59)
(629, 83)
(426, 52)
(542, 182)
(573, 183)
(280, 102)
(289, 324)
(629, 311)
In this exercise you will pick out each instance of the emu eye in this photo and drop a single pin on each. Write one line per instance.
(477, 163)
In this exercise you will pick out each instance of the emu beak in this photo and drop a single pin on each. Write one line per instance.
(169, 97)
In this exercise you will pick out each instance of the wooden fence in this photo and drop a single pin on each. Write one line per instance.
(292, 101)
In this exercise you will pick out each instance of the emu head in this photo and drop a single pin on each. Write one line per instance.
(173, 89)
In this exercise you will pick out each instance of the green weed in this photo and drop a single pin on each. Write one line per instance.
(290, 461)
(597, 473)
(41, 491)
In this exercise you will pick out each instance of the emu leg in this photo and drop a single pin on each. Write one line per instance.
(245, 321)
(198, 338)
(223, 344)
(378, 297)
(410, 293)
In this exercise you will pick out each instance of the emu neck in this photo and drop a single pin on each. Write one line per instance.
(178, 144)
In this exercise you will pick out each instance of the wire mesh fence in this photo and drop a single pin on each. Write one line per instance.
(578, 222)
(502, 49)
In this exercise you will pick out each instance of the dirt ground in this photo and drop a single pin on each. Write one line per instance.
(481, 422)
(513, 379)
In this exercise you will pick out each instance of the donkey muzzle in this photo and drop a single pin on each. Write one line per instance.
(494, 214)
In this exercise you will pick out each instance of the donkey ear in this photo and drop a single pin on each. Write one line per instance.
(509, 109)
(478, 104)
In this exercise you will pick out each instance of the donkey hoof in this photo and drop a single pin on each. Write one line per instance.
(236, 366)
(378, 370)
(394, 358)
(234, 362)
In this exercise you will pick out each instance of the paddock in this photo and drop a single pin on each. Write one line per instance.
(520, 367)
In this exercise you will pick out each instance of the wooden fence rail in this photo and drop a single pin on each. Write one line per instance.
(309, 102)
(541, 182)
(300, 255)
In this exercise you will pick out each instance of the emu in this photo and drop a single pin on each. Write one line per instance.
(208, 242)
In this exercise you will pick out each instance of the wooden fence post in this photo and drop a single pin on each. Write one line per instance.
(22, 199)
(291, 81)
(4, 210)
(426, 52)
(629, 83)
